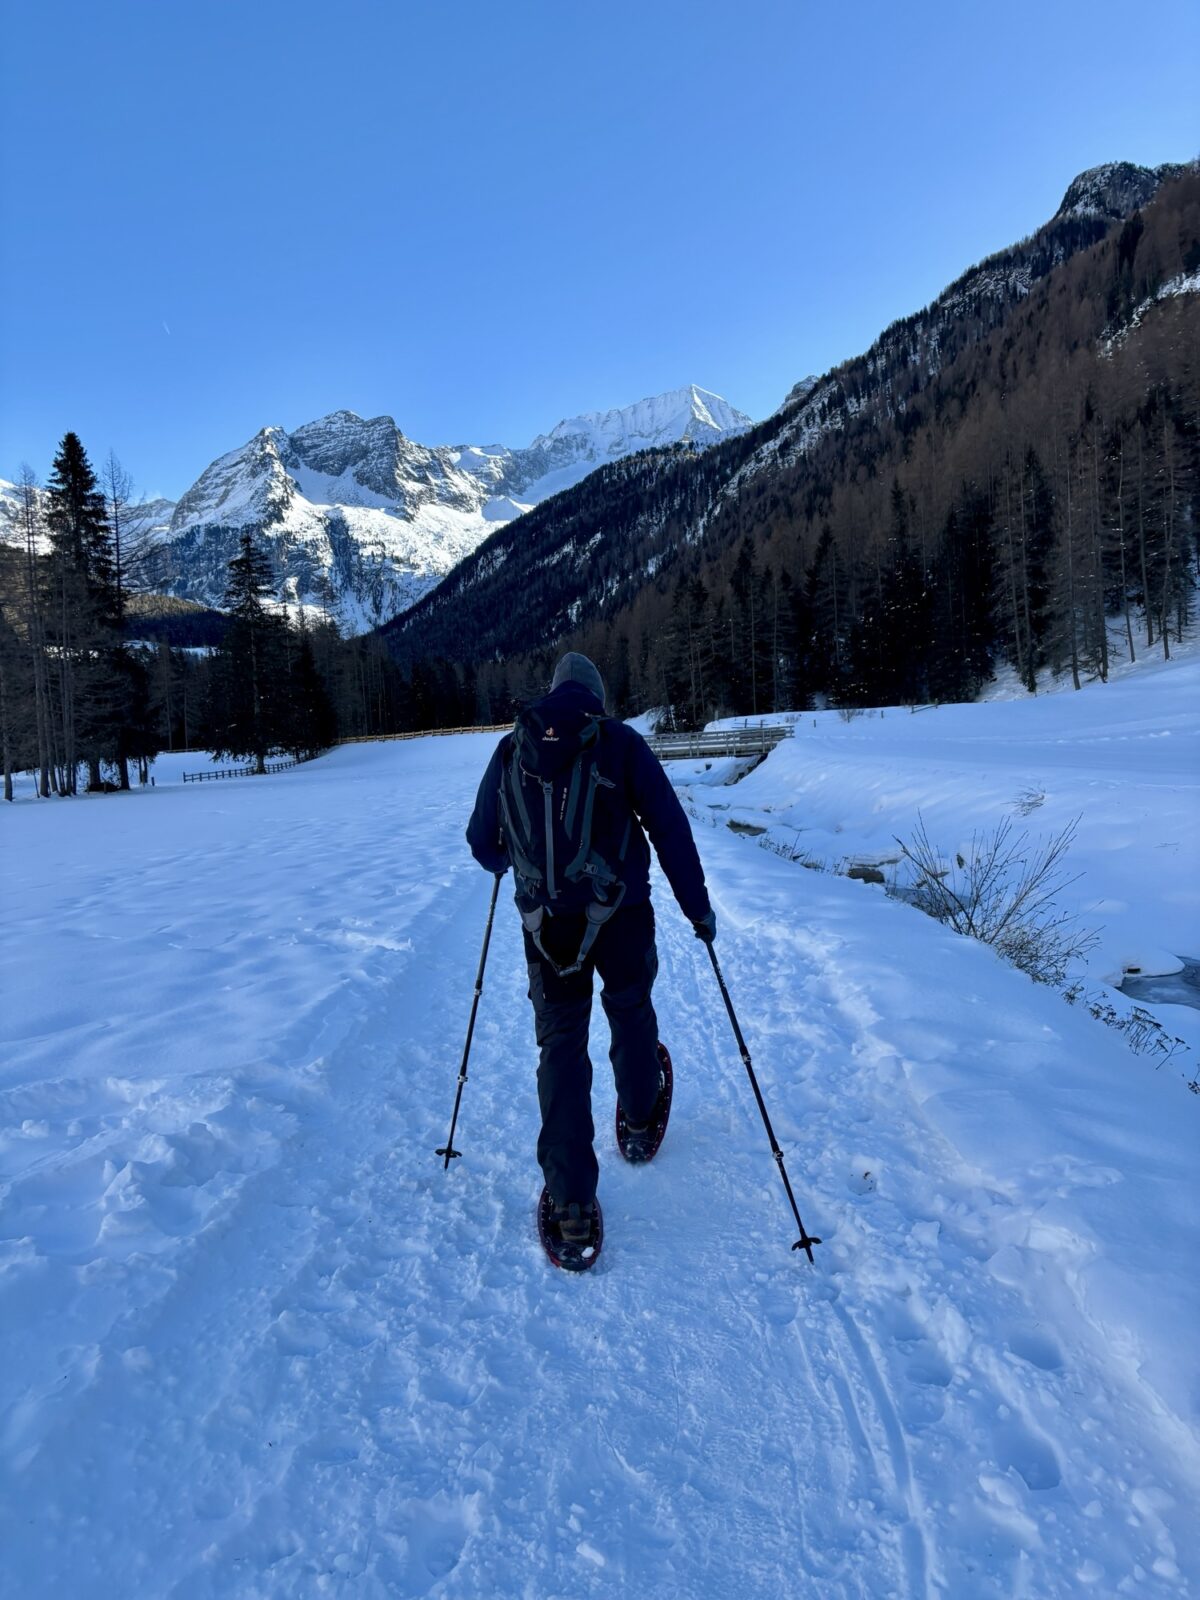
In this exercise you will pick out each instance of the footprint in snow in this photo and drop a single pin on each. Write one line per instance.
(300, 1336)
(1036, 1348)
(1019, 1449)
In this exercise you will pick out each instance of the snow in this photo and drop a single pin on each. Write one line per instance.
(149, 517)
(1114, 190)
(575, 447)
(255, 1342)
(362, 521)
(661, 419)
(1182, 283)
(12, 522)
(1121, 760)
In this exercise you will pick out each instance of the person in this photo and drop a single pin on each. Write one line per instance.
(585, 906)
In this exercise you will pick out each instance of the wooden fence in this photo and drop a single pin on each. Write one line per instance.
(756, 740)
(423, 733)
(241, 772)
(751, 741)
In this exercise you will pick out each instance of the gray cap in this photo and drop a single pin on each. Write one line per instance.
(574, 668)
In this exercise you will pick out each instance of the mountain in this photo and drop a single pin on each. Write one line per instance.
(1116, 190)
(361, 521)
(1032, 403)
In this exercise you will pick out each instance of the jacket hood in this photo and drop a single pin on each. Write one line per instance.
(572, 696)
(576, 668)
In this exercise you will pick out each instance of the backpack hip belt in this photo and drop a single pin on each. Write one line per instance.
(596, 915)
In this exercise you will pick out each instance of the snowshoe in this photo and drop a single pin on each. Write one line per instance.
(639, 1145)
(571, 1238)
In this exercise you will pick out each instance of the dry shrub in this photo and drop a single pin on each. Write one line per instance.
(1003, 892)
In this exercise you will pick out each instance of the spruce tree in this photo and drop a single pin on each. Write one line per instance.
(90, 693)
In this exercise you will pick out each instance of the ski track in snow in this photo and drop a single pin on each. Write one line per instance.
(258, 1343)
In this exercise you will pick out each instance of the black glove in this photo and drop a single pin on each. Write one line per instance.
(706, 926)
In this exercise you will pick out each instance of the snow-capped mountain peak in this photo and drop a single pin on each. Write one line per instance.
(361, 521)
(684, 414)
(247, 485)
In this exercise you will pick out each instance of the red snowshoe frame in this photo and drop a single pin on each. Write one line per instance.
(640, 1148)
(570, 1257)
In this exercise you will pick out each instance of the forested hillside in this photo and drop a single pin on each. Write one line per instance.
(1009, 476)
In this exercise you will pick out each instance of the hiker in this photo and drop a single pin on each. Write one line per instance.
(567, 800)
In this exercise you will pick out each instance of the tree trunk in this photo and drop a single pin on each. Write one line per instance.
(1012, 577)
(1121, 550)
(5, 750)
(1168, 520)
(1146, 609)
(1027, 610)
(35, 631)
(1069, 547)
(1097, 558)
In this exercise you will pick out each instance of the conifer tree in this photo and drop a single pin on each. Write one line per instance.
(83, 622)
(828, 610)
(248, 710)
(315, 722)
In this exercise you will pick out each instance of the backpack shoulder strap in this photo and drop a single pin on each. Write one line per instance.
(515, 819)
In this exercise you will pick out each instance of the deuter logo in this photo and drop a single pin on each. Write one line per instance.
(549, 737)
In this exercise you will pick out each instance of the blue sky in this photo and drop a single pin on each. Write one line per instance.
(482, 218)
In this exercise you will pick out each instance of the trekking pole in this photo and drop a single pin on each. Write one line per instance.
(448, 1149)
(804, 1242)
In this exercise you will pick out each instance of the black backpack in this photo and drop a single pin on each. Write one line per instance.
(550, 793)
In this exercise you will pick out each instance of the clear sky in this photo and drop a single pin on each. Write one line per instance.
(482, 217)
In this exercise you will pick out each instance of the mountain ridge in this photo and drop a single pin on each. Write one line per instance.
(595, 565)
(359, 520)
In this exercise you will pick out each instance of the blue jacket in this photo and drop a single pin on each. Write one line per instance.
(644, 788)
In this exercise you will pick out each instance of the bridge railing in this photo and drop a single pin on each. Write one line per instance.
(760, 740)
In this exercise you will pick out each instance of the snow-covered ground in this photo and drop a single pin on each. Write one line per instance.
(255, 1342)
(1120, 760)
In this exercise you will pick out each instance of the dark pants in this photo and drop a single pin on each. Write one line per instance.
(625, 957)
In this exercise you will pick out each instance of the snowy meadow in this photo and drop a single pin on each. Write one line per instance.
(255, 1342)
